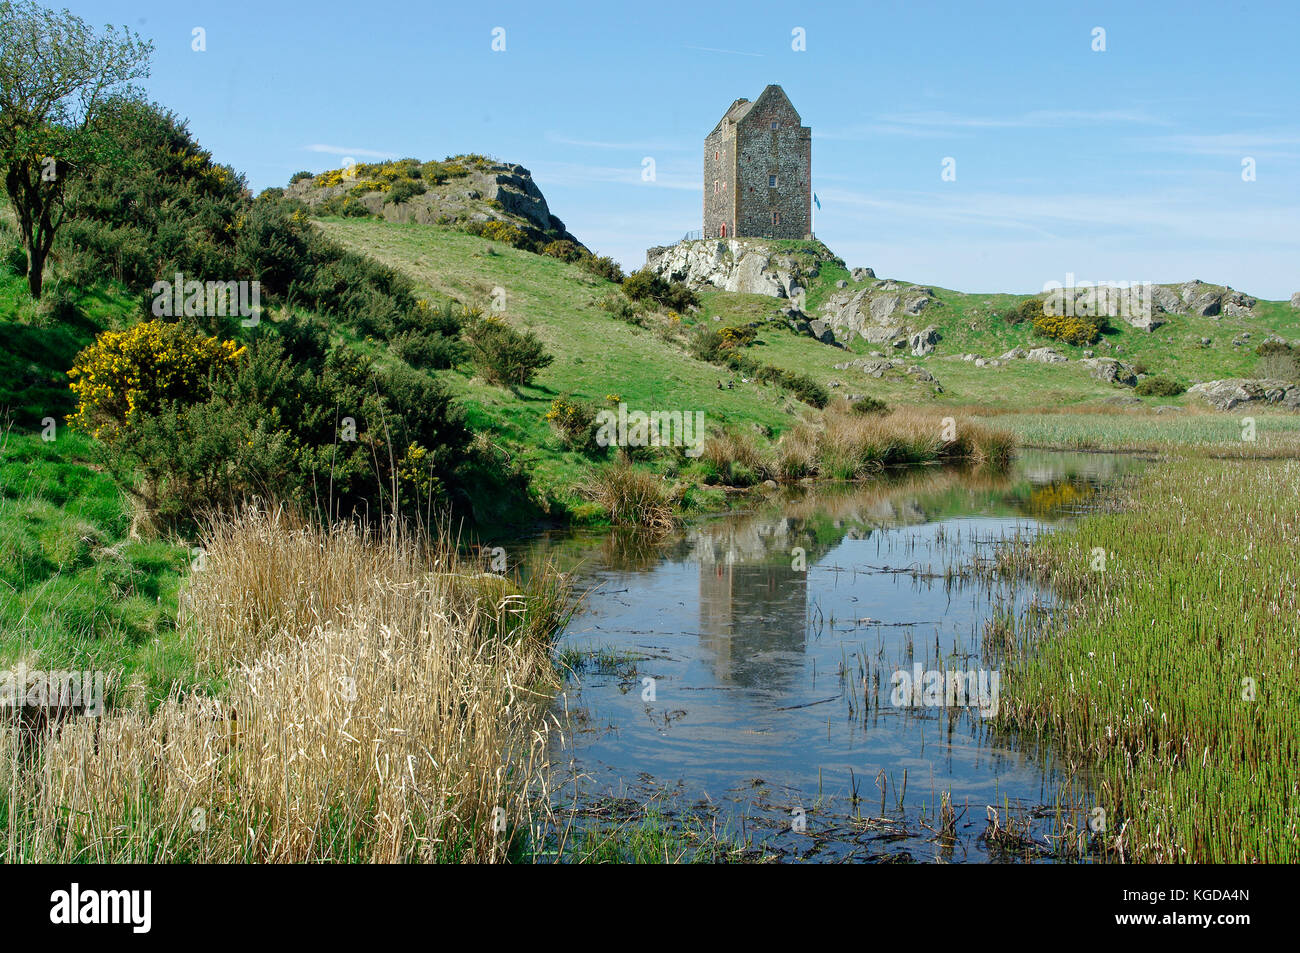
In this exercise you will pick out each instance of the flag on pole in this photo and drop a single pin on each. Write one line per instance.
(817, 201)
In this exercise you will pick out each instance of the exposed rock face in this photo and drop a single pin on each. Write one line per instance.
(866, 274)
(1015, 352)
(1236, 391)
(1047, 355)
(923, 342)
(487, 191)
(1110, 370)
(881, 312)
(749, 267)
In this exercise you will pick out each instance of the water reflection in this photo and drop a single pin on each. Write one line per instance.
(752, 652)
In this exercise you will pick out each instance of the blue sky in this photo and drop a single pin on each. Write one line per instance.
(1117, 165)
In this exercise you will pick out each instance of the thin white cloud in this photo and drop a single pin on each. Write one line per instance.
(643, 147)
(345, 151)
(710, 49)
(577, 174)
(934, 124)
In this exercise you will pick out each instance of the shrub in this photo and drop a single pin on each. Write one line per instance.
(645, 284)
(126, 375)
(563, 249)
(806, 389)
(1277, 359)
(404, 190)
(623, 309)
(869, 405)
(503, 232)
(299, 176)
(575, 422)
(504, 356)
(734, 459)
(1027, 311)
(1068, 328)
(602, 266)
(59, 304)
(631, 497)
(1158, 386)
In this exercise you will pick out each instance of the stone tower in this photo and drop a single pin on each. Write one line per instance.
(758, 171)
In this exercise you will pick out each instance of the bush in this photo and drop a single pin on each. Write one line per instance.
(404, 190)
(1068, 328)
(1279, 360)
(646, 285)
(504, 356)
(302, 423)
(564, 250)
(602, 266)
(623, 309)
(1158, 386)
(1027, 311)
(806, 389)
(503, 232)
(631, 497)
(575, 422)
(869, 405)
(299, 176)
(126, 376)
(58, 305)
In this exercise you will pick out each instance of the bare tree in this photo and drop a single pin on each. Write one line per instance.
(56, 77)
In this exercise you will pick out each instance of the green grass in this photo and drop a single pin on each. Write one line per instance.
(76, 591)
(595, 353)
(1143, 684)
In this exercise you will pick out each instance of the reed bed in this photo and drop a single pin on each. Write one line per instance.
(380, 702)
(848, 445)
(1173, 677)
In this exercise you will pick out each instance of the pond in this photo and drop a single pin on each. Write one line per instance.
(739, 676)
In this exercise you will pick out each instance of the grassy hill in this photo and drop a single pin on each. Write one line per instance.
(598, 354)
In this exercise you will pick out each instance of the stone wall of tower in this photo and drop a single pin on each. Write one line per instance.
(762, 152)
(720, 181)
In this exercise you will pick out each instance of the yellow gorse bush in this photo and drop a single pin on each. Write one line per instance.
(127, 373)
(1068, 328)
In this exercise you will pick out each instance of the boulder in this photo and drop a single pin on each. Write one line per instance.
(821, 331)
(862, 274)
(1013, 354)
(1238, 305)
(1237, 391)
(1047, 355)
(923, 342)
(1111, 371)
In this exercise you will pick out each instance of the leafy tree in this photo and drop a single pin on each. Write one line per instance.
(56, 77)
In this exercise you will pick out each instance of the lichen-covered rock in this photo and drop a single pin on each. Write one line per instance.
(923, 342)
(1111, 371)
(1047, 355)
(733, 265)
(1234, 392)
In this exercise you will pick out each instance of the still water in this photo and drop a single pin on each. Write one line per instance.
(738, 675)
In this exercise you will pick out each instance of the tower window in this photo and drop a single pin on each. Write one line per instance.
(773, 125)
(776, 218)
(771, 181)
(716, 155)
(715, 187)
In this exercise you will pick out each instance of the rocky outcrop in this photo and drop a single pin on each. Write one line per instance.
(883, 312)
(1111, 371)
(745, 266)
(1238, 391)
(1047, 355)
(923, 342)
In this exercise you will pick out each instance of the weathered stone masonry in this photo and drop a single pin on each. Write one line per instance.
(758, 171)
